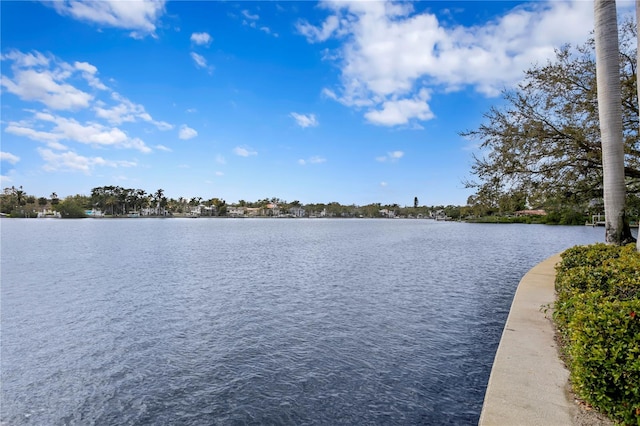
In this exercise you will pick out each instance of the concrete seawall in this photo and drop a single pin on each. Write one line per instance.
(528, 382)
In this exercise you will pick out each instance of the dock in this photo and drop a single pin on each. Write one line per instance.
(596, 220)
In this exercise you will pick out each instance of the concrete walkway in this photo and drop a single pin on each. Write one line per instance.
(528, 383)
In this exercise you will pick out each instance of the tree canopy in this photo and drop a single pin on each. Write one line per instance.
(544, 142)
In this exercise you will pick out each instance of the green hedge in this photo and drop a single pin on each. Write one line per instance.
(22, 213)
(597, 313)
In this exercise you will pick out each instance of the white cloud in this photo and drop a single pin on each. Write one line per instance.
(218, 173)
(69, 129)
(267, 30)
(395, 112)
(318, 34)
(383, 184)
(26, 129)
(187, 132)
(328, 93)
(8, 157)
(249, 16)
(46, 86)
(313, 160)
(86, 67)
(220, 159)
(139, 16)
(48, 80)
(201, 62)
(163, 148)
(391, 53)
(92, 133)
(244, 152)
(251, 21)
(162, 125)
(26, 60)
(89, 73)
(127, 112)
(304, 120)
(202, 39)
(71, 161)
(391, 156)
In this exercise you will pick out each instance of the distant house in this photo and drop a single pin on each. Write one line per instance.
(297, 211)
(53, 213)
(208, 210)
(387, 213)
(271, 209)
(252, 211)
(90, 213)
(235, 211)
(531, 213)
(439, 215)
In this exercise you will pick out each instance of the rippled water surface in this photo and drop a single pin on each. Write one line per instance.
(257, 321)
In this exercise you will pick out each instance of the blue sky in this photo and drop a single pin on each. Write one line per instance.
(347, 101)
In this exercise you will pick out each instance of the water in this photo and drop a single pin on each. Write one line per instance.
(257, 321)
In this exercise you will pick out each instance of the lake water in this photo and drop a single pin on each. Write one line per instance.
(257, 321)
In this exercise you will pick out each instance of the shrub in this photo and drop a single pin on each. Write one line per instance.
(597, 313)
(593, 255)
(571, 217)
(23, 213)
(69, 209)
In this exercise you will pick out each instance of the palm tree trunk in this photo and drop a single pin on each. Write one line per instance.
(638, 87)
(610, 114)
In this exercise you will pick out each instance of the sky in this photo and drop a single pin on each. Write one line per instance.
(354, 102)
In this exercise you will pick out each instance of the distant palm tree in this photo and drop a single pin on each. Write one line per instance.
(163, 205)
(123, 196)
(158, 196)
(110, 203)
(139, 197)
(20, 196)
(610, 113)
(182, 202)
